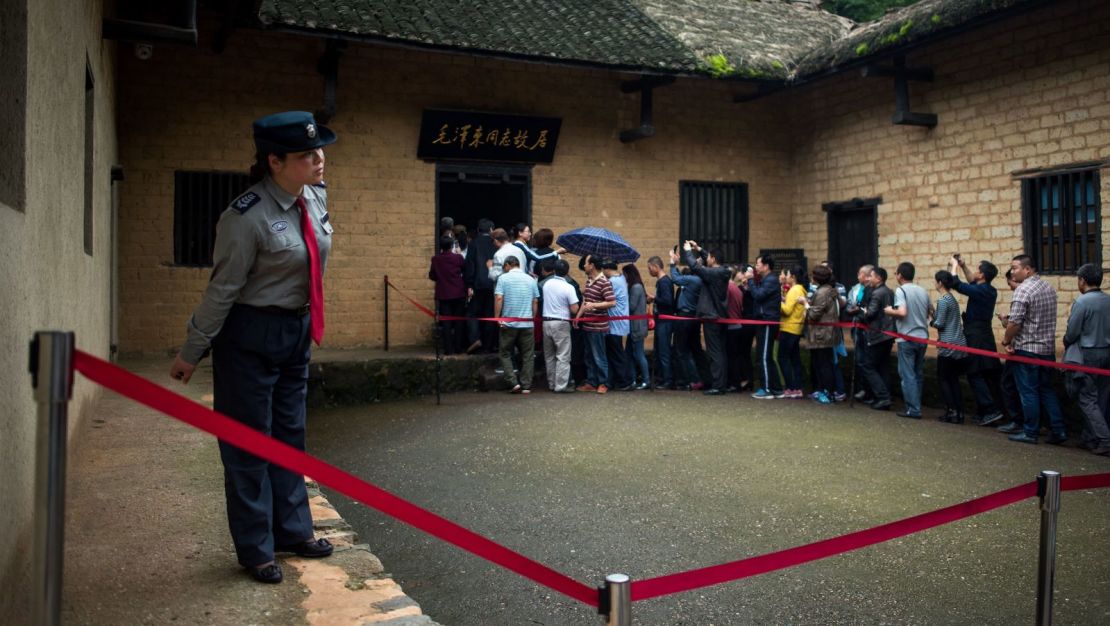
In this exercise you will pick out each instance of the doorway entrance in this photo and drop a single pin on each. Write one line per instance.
(468, 193)
(853, 236)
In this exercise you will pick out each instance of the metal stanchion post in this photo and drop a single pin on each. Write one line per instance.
(616, 600)
(1048, 488)
(436, 335)
(51, 366)
(385, 311)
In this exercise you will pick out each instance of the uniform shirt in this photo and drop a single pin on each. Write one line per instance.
(1034, 307)
(558, 297)
(1089, 322)
(517, 291)
(620, 328)
(259, 258)
(598, 290)
(915, 302)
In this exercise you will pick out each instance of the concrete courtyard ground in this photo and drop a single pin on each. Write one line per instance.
(652, 483)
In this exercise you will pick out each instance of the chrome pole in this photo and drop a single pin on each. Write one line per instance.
(51, 368)
(618, 597)
(1048, 488)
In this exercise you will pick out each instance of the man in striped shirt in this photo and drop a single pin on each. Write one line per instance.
(516, 295)
(597, 299)
(1031, 332)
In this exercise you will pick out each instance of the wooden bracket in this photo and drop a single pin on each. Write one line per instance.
(902, 75)
(644, 85)
(328, 65)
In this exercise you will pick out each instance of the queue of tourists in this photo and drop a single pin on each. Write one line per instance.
(728, 328)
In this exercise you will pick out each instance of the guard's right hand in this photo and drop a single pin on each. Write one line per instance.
(182, 370)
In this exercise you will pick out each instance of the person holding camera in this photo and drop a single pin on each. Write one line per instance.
(983, 372)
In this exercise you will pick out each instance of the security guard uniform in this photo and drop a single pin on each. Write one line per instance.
(255, 318)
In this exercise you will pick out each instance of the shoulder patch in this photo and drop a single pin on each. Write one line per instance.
(245, 201)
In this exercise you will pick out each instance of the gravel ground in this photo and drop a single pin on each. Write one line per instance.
(653, 483)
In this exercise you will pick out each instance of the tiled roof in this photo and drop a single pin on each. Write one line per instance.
(778, 40)
(602, 32)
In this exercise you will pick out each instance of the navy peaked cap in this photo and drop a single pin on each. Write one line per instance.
(291, 131)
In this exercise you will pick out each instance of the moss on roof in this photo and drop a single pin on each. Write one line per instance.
(910, 24)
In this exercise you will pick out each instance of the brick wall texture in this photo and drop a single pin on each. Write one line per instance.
(1009, 97)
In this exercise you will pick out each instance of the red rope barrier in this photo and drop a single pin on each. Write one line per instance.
(736, 570)
(198, 416)
(730, 320)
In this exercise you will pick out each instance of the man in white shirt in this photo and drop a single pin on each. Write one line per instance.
(504, 250)
(560, 305)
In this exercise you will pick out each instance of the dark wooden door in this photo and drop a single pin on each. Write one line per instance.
(853, 238)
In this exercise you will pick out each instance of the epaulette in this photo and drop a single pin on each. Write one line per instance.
(243, 203)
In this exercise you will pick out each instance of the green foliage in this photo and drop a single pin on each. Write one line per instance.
(718, 65)
(935, 19)
(863, 10)
(862, 49)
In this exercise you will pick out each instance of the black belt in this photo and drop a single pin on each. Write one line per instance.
(554, 319)
(300, 311)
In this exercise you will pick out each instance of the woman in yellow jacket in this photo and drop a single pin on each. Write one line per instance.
(791, 323)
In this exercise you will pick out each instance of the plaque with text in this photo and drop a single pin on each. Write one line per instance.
(478, 136)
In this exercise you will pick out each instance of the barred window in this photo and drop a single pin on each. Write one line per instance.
(716, 216)
(198, 200)
(1061, 219)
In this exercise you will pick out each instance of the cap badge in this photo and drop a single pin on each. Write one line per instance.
(311, 130)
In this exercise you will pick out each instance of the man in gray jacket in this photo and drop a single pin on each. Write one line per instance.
(1089, 333)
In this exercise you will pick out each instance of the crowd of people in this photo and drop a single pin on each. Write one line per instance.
(588, 344)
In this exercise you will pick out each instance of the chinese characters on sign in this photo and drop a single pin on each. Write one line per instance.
(487, 137)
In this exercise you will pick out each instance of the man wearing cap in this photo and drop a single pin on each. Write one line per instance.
(263, 306)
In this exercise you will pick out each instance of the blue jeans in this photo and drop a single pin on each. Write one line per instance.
(911, 369)
(634, 350)
(663, 331)
(597, 365)
(1034, 384)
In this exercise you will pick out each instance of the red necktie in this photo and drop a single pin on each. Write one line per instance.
(315, 275)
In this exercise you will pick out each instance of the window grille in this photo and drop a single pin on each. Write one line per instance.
(1061, 220)
(199, 199)
(716, 216)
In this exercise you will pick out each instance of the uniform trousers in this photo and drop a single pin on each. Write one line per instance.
(260, 378)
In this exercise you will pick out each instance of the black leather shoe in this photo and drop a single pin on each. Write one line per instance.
(989, 419)
(881, 406)
(1011, 429)
(269, 574)
(312, 549)
(1056, 439)
(957, 418)
(911, 415)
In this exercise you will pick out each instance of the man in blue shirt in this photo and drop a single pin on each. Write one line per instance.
(663, 303)
(687, 335)
(767, 295)
(983, 372)
(620, 368)
(516, 295)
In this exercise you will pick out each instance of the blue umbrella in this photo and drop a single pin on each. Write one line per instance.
(598, 242)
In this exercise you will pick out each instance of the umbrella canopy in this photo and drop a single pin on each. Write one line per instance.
(598, 242)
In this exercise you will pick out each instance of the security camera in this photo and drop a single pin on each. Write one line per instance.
(143, 51)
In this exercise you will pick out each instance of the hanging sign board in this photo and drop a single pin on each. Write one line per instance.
(487, 136)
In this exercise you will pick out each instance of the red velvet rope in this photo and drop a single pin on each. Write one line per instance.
(198, 416)
(1017, 358)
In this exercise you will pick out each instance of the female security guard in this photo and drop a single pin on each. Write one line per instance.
(263, 304)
